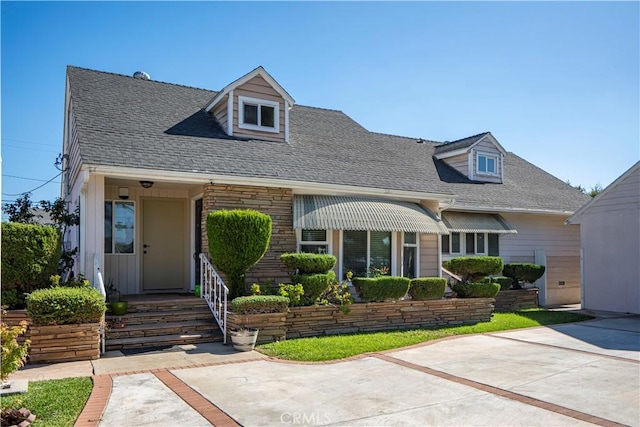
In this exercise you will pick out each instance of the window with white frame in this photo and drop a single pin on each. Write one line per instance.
(410, 255)
(487, 164)
(471, 244)
(366, 251)
(313, 241)
(258, 114)
(119, 227)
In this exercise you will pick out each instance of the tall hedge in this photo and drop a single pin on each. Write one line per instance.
(30, 255)
(238, 239)
(474, 268)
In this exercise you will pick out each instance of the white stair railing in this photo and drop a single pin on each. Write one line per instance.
(98, 283)
(215, 293)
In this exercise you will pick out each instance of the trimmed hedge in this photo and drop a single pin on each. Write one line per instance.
(306, 263)
(523, 272)
(260, 304)
(30, 255)
(504, 282)
(476, 290)
(427, 288)
(238, 239)
(474, 268)
(62, 306)
(381, 288)
(314, 285)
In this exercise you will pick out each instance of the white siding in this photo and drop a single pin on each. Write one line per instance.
(92, 219)
(561, 245)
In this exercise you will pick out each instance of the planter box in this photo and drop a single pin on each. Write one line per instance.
(513, 300)
(64, 343)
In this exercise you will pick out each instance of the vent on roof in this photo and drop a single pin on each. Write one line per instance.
(141, 75)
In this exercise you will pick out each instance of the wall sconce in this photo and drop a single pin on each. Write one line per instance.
(146, 184)
(123, 193)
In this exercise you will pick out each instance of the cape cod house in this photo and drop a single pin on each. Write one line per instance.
(145, 161)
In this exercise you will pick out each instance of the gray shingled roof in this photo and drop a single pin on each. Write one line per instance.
(122, 121)
(459, 143)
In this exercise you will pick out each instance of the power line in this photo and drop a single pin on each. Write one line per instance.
(24, 177)
(31, 191)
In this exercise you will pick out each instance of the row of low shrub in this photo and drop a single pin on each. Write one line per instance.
(381, 288)
(260, 304)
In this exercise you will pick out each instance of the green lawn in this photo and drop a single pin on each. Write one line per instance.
(340, 346)
(56, 403)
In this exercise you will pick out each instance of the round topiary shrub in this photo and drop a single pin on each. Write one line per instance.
(381, 288)
(62, 306)
(314, 285)
(473, 269)
(504, 282)
(238, 239)
(476, 290)
(306, 263)
(523, 272)
(427, 288)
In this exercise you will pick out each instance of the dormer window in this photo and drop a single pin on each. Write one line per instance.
(258, 114)
(487, 164)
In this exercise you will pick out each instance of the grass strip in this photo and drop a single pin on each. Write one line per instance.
(340, 346)
(56, 403)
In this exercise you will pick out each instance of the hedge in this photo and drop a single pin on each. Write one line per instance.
(61, 306)
(426, 288)
(523, 272)
(381, 288)
(306, 263)
(260, 304)
(474, 268)
(504, 282)
(238, 239)
(476, 290)
(314, 285)
(30, 255)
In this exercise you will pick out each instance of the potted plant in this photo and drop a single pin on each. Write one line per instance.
(119, 308)
(113, 294)
(244, 339)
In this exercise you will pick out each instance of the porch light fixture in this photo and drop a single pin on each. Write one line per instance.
(123, 193)
(146, 184)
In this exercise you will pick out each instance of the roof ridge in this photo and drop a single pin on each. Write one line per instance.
(131, 77)
(466, 137)
(321, 108)
(406, 137)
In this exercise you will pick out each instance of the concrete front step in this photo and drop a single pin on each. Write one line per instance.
(151, 317)
(168, 328)
(161, 340)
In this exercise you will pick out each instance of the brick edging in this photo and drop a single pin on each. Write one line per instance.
(91, 415)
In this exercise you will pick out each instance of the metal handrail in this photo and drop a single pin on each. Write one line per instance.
(98, 283)
(215, 293)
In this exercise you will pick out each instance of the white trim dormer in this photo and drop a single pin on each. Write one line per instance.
(479, 157)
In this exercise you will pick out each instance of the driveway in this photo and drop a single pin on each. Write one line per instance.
(576, 374)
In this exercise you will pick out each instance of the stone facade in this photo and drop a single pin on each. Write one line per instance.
(328, 320)
(275, 202)
(517, 299)
(64, 343)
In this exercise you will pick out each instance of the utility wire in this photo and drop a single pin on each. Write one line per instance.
(31, 191)
(24, 177)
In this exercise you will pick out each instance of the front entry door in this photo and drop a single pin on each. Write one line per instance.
(164, 245)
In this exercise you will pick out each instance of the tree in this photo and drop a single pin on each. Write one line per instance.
(595, 190)
(22, 210)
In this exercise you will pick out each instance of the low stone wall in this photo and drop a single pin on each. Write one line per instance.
(64, 343)
(328, 320)
(514, 300)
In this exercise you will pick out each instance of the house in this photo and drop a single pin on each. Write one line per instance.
(610, 278)
(145, 161)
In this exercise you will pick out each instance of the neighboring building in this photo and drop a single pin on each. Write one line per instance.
(611, 277)
(148, 160)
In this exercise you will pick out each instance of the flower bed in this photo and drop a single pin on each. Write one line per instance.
(513, 300)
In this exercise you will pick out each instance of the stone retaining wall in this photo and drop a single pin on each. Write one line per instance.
(517, 299)
(64, 343)
(327, 320)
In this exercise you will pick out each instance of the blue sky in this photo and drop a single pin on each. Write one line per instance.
(556, 83)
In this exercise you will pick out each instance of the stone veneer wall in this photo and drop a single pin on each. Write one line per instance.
(328, 320)
(275, 202)
(517, 299)
(64, 343)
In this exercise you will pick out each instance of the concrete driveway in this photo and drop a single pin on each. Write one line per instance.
(587, 373)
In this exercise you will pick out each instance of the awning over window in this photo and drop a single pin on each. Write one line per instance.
(463, 222)
(355, 213)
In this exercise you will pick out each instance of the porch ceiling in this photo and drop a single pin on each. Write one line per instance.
(464, 222)
(359, 213)
(131, 183)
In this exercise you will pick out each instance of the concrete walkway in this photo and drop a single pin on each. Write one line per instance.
(574, 374)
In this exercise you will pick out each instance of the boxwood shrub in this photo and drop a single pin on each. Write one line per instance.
(504, 282)
(427, 288)
(476, 290)
(62, 306)
(260, 304)
(523, 272)
(314, 285)
(30, 255)
(306, 263)
(474, 268)
(381, 288)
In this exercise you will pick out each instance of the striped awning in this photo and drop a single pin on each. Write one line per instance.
(356, 213)
(464, 222)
